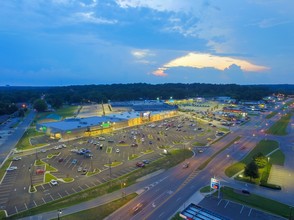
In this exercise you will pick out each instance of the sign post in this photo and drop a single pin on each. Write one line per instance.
(215, 184)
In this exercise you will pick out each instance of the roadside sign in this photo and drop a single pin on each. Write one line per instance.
(214, 183)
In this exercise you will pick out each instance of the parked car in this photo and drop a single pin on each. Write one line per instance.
(134, 145)
(54, 182)
(80, 169)
(60, 160)
(117, 150)
(140, 164)
(74, 161)
(146, 161)
(40, 171)
(11, 168)
(16, 158)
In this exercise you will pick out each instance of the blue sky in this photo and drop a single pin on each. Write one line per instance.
(73, 42)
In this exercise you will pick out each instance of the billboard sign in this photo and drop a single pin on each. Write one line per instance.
(214, 183)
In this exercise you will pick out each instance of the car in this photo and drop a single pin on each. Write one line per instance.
(60, 160)
(137, 208)
(140, 164)
(40, 171)
(134, 145)
(101, 138)
(53, 182)
(146, 161)
(11, 168)
(150, 142)
(74, 161)
(117, 150)
(186, 165)
(200, 151)
(43, 150)
(16, 158)
(121, 142)
(245, 191)
(80, 169)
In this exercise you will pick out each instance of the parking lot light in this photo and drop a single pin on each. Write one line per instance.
(59, 212)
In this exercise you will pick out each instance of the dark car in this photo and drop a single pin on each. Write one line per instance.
(60, 160)
(134, 145)
(146, 161)
(245, 191)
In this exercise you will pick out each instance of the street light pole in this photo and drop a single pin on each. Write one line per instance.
(59, 212)
(30, 170)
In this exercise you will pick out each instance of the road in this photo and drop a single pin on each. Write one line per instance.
(13, 139)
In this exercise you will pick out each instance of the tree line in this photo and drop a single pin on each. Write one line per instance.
(59, 95)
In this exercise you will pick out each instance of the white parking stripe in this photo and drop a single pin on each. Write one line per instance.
(16, 209)
(249, 212)
(35, 203)
(242, 209)
(43, 200)
(26, 206)
(66, 192)
(59, 195)
(226, 204)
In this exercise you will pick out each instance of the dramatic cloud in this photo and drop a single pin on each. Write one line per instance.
(196, 60)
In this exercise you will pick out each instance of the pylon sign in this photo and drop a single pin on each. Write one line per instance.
(214, 183)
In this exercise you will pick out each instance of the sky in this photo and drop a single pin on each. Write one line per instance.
(78, 42)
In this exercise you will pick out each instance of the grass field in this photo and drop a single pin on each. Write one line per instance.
(280, 127)
(100, 212)
(264, 147)
(24, 142)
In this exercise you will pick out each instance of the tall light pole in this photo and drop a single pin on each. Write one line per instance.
(30, 170)
(59, 212)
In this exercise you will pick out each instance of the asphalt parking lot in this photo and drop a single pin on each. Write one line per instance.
(150, 139)
(233, 210)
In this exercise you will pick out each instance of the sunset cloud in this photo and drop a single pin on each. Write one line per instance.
(198, 60)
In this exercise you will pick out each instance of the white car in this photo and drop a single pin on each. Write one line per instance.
(11, 168)
(54, 182)
(80, 169)
(117, 151)
(16, 158)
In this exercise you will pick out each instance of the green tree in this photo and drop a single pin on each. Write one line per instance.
(260, 160)
(251, 170)
(40, 105)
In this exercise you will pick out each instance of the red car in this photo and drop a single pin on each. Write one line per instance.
(140, 164)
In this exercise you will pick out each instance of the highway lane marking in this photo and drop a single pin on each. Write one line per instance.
(242, 209)
(227, 204)
(250, 212)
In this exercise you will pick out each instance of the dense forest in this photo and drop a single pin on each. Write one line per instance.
(57, 96)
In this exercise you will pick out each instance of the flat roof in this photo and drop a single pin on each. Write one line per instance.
(196, 212)
(76, 123)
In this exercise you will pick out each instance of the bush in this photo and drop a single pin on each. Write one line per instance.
(265, 173)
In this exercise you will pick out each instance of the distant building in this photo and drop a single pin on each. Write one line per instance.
(96, 125)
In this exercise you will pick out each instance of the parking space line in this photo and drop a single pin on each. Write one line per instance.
(219, 202)
(242, 209)
(51, 197)
(87, 185)
(227, 204)
(35, 203)
(81, 188)
(93, 184)
(66, 192)
(59, 195)
(250, 212)
(43, 200)
(16, 209)
(74, 190)
(26, 206)
(43, 186)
